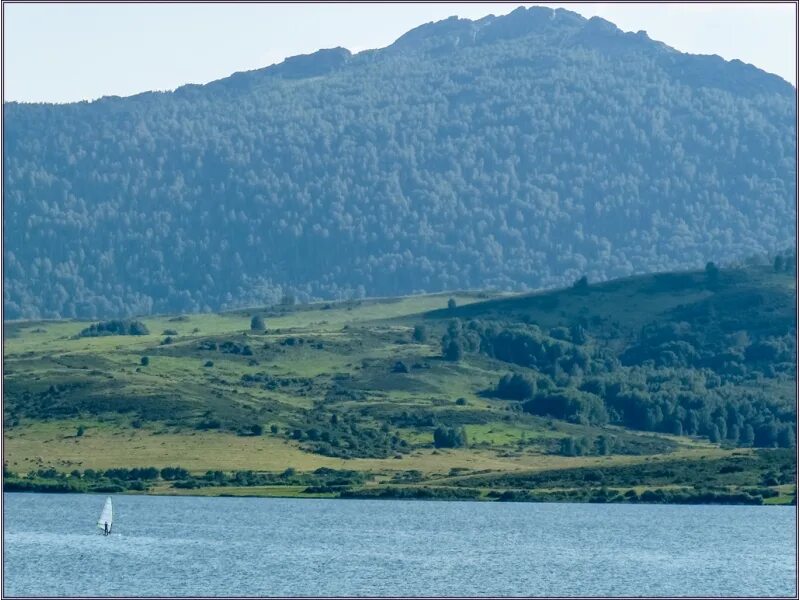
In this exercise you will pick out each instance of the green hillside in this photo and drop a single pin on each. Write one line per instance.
(468, 396)
(514, 152)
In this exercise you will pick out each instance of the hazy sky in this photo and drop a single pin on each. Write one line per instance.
(68, 52)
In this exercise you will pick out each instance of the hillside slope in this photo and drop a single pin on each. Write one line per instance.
(692, 366)
(509, 152)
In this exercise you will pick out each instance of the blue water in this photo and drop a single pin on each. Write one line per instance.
(184, 546)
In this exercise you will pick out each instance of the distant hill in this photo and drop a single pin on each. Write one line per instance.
(509, 152)
(688, 367)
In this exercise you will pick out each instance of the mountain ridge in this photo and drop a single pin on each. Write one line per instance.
(518, 23)
(514, 162)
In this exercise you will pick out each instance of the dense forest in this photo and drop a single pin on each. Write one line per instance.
(720, 365)
(510, 152)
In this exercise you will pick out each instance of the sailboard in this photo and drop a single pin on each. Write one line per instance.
(106, 516)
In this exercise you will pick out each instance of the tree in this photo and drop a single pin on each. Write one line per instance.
(446, 437)
(257, 323)
(786, 437)
(81, 431)
(256, 429)
(515, 386)
(567, 446)
(145, 360)
(712, 272)
(581, 284)
(400, 367)
(766, 435)
(420, 334)
(454, 351)
(713, 435)
(451, 304)
(273, 429)
(748, 435)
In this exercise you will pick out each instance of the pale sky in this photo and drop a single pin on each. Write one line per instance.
(69, 52)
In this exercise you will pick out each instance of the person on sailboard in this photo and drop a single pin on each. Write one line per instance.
(106, 532)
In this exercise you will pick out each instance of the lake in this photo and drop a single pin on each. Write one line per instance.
(192, 546)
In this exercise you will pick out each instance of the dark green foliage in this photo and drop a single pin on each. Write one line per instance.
(173, 473)
(581, 285)
(452, 350)
(144, 361)
(569, 404)
(735, 470)
(522, 151)
(451, 304)
(81, 431)
(257, 323)
(712, 272)
(720, 366)
(256, 429)
(115, 327)
(274, 429)
(420, 333)
(447, 437)
(208, 363)
(515, 386)
(409, 493)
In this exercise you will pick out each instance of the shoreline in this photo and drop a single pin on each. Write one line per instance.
(734, 499)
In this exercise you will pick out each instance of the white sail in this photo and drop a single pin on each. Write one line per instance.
(106, 516)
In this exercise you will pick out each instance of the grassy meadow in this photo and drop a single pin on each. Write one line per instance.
(357, 387)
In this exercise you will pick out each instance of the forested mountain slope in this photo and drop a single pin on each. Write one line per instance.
(510, 152)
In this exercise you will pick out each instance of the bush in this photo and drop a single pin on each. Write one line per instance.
(420, 333)
(445, 437)
(115, 327)
(569, 404)
(399, 367)
(515, 387)
(257, 323)
(173, 473)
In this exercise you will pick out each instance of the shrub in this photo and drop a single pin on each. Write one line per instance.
(420, 333)
(257, 323)
(445, 437)
(115, 327)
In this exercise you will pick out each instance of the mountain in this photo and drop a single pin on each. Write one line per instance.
(510, 152)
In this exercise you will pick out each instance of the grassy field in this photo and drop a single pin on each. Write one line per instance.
(350, 369)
